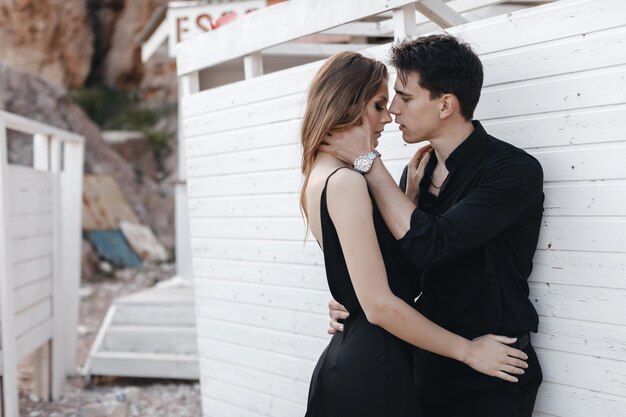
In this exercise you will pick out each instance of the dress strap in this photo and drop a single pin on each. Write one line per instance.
(331, 174)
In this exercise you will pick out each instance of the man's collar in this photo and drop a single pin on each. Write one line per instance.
(468, 147)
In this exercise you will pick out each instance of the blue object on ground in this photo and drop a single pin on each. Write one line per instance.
(111, 246)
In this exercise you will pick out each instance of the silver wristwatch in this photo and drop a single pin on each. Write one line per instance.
(363, 163)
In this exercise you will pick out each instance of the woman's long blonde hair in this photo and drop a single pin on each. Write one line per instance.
(336, 100)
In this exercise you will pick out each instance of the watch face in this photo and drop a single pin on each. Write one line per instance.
(362, 164)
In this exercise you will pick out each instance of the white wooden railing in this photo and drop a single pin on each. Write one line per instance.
(40, 246)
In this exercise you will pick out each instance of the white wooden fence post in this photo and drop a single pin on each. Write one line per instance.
(58, 367)
(404, 23)
(71, 182)
(188, 85)
(253, 65)
(8, 360)
(41, 357)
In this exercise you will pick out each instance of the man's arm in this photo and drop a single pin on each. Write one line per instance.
(511, 184)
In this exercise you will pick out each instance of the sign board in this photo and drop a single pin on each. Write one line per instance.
(183, 23)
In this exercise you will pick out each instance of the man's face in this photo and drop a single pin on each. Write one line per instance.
(418, 115)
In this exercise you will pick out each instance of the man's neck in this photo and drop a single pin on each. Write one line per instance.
(450, 138)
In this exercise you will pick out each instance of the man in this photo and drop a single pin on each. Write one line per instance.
(474, 230)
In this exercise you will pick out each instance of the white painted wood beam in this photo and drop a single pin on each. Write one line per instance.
(8, 352)
(384, 28)
(32, 127)
(289, 21)
(253, 65)
(41, 152)
(404, 22)
(440, 13)
(313, 49)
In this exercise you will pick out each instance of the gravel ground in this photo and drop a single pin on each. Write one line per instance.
(111, 396)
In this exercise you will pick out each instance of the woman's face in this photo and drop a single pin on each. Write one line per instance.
(376, 112)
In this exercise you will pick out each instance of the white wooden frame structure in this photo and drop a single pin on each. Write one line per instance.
(555, 85)
(40, 241)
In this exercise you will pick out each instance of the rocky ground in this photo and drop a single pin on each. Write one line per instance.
(111, 396)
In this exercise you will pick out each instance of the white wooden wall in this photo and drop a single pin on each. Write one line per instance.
(555, 85)
(40, 209)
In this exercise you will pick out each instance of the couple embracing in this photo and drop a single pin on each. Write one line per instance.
(430, 309)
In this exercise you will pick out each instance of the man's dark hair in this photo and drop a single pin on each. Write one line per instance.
(445, 65)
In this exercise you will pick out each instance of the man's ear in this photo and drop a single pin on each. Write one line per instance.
(449, 104)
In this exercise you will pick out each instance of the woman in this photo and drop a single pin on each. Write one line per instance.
(367, 369)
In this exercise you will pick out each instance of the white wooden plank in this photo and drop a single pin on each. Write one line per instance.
(572, 127)
(154, 315)
(304, 253)
(213, 407)
(261, 360)
(540, 24)
(255, 400)
(32, 294)
(564, 92)
(561, 400)
(264, 205)
(58, 331)
(283, 181)
(25, 179)
(264, 295)
(297, 276)
(592, 162)
(270, 86)
(8, 354)
(583, 234)
(603, 198)
(258, 137)
(176, 340)
(582, 337)
(67, 286)
(592, 269)
(404, 24)
(28, 318)
(296, 345)
(249, 33)
(264, 317)
(587, 372)
(562, 56)
(440, 13)
(32, 203)
(253, 65)
(32, 127)
(31, 226)
(34, 338)
(278, 228)
(31, 248)
(279, 110)
(278, 157)
(275, 385)
(145, 365)
(580, 303)
(28, 272)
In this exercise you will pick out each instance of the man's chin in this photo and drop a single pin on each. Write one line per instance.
(411, 139)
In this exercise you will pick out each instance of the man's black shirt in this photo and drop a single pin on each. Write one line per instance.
(474, 243)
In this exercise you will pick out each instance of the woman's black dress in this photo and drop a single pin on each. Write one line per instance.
(365, 371)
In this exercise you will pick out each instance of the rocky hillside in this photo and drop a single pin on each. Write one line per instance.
(52, 49)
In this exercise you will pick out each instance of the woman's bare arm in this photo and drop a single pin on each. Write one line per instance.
(350, 208)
